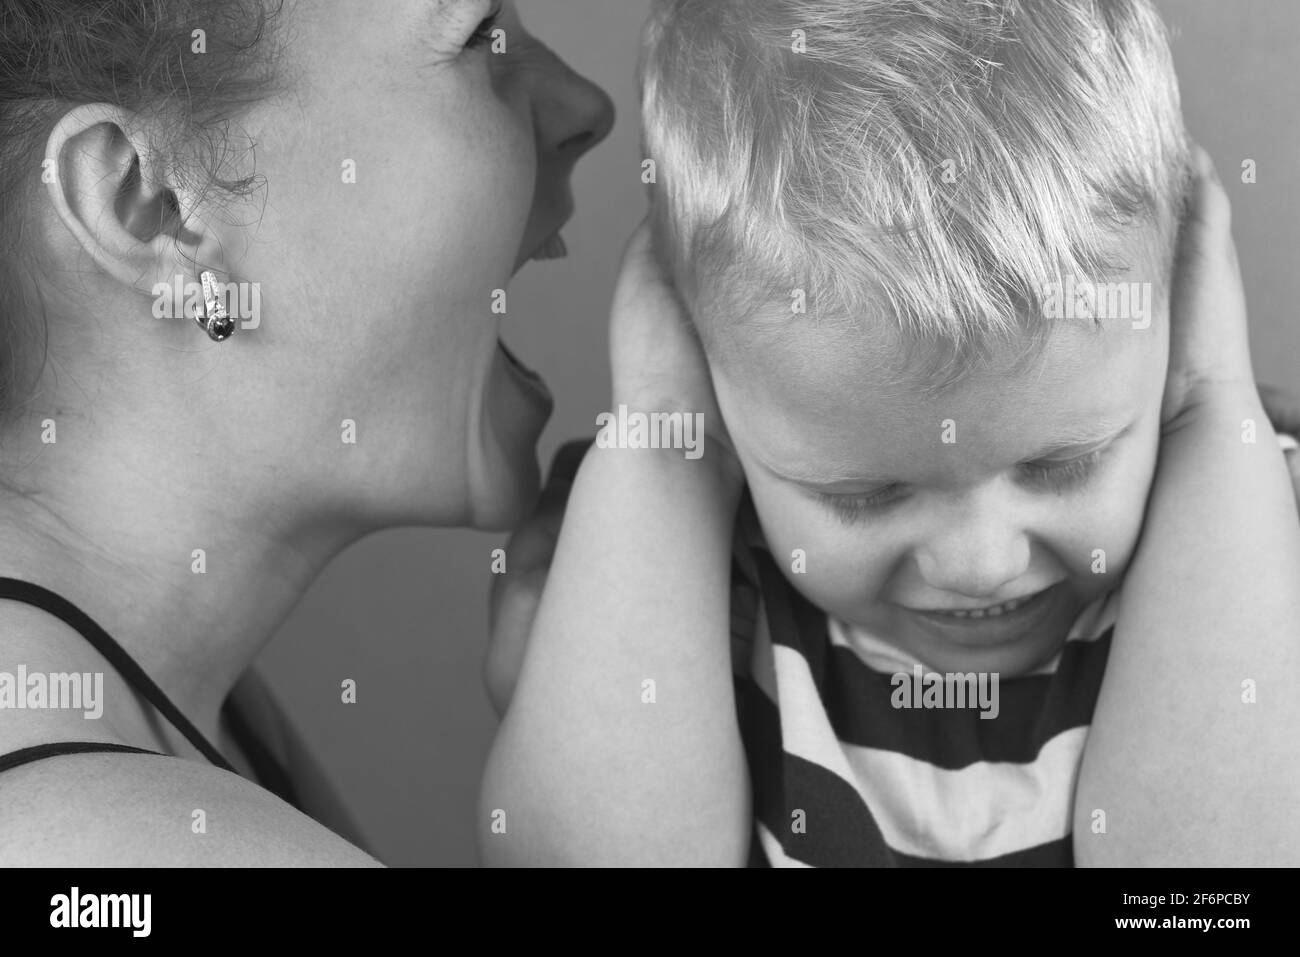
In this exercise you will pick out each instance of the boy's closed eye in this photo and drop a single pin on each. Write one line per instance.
(1058, 475)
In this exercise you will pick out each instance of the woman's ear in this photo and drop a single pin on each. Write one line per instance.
(118, 202)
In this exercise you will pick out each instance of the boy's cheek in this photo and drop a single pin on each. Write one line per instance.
(836, 566)
(792, 531)
(1102, 546)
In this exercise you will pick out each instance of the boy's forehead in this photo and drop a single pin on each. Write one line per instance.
(877, 360)
(871, 355)
(835, 392)
(1133, 287)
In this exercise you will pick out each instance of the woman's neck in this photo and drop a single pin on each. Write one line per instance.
(192, 586)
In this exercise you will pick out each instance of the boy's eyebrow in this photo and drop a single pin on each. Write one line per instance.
(829, 483)
(1084, 443)
(1081, 443)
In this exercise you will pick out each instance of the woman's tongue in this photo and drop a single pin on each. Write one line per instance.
(518, 407)
(519, 367)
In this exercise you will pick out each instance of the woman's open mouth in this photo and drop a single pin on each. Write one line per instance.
(553, 248)
(524, 374)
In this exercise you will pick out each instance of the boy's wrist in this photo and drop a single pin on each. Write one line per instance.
(713, 474)
(713, 451)
(708, 458)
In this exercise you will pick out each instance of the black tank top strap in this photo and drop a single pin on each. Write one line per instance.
(42, 751)
(60, 607)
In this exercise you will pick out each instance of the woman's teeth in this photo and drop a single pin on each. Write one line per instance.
(992, 612)
(553, 248)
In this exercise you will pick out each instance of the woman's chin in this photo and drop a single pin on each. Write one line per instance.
(516, 410)
(499, 506)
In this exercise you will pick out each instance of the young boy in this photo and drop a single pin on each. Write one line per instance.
(930, 250)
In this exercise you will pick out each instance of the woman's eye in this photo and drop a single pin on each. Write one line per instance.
(1063, 475)
(850, 509)
(483, 34)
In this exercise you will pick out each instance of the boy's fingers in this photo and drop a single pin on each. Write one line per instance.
(638, 260)
(1210, 206)
(643, 282)
(1209, 339)
(1283, 409)
(534, 540)
(1206, 240)
(532, 545)
(542, 527)
(528, 553)
(508, 637)
(564, 467)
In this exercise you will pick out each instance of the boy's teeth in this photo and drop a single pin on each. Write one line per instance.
(992, 612)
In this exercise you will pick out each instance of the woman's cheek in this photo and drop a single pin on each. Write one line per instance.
(498, 164)
(516, 149)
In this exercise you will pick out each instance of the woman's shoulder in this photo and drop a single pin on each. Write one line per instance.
(121, 809)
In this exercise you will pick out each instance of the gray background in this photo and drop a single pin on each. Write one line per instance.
(403, 612)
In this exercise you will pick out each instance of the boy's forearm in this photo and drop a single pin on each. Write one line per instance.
(1187, 766)
(621, 745)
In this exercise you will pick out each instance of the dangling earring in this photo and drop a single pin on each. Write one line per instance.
(213, 317)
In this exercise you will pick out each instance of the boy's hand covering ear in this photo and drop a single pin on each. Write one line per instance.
(657, 358)
(658, 365)
(1209, 346)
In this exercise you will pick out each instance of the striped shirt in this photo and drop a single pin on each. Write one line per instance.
(843, 778)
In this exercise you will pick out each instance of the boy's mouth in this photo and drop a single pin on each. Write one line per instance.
(991, 611)
(998, 624)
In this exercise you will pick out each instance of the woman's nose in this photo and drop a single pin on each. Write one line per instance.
(978, 552)
(572, 113)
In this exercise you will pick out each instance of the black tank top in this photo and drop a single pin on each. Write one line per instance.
(271, 775)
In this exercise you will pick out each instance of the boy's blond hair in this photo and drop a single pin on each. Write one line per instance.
(944, 160)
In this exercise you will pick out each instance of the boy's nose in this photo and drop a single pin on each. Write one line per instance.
(975, 556)
(571, 112)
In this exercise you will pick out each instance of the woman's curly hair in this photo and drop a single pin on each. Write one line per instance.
(190, 66)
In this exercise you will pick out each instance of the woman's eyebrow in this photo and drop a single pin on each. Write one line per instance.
(441, 25)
